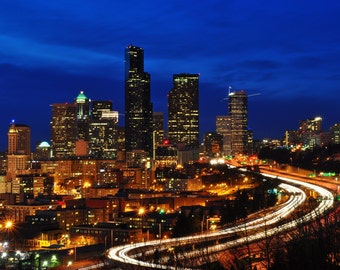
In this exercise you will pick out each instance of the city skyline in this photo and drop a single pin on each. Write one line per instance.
(286, 52)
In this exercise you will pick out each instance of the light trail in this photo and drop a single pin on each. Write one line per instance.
(128, 254)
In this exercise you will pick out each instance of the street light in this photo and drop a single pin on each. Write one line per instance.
(73, 252)
(141, 212)
(8, 224)
(8, 227)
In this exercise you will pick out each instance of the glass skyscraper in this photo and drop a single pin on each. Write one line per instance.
(183, 111)
(83, 116)
(238, 113)
(138, 106)
(103, 134)
(158, 127)
(63, 130)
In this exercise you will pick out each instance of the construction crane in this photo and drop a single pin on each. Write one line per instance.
(230, 91)
(256, 94)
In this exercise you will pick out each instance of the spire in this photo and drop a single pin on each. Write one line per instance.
(81, 96)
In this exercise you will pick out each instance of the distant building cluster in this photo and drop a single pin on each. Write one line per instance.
(310, 134)
(84, 128)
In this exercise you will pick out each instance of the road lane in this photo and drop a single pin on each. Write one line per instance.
(131, 254)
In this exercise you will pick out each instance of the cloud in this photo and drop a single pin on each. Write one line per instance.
(39, 55)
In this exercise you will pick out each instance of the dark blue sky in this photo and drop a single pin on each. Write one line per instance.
(286, 50)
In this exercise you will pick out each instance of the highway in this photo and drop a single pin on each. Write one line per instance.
(273, 222)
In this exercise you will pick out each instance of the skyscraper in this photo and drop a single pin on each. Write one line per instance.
(158, 127)
(138, 106)
(83, 116)
(63, 130)
(223, 127)
(19, 149)
(183, 110)
(19, 139)
(158, 130)
(103, 135)
(238, 113)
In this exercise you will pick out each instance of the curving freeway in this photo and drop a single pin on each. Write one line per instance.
(272, 222)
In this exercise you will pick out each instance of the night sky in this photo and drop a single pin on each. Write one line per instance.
(284, 53)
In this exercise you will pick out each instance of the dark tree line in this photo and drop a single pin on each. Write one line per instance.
(314, 246)
(326, 158)
(187, 225)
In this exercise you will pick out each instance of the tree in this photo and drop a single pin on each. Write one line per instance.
(186, 225)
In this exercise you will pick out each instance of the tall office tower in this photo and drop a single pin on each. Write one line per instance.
(19, 150)
(103, 134)
(63, 130)
(19, 139)
(238, 112)
(158, 131)
(158, 127)
(183, 111)
(223, 127)
(138, 106)
(83, 116)
(100, 106)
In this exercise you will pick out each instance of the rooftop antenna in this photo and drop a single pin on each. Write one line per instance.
(229, 89)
